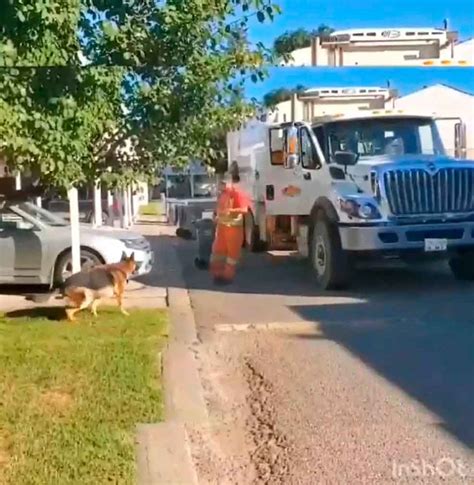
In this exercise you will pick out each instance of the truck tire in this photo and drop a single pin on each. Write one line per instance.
(328, 260)
(252, 235)
(462, 266)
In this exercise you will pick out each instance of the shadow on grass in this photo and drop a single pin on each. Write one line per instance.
(43, 313)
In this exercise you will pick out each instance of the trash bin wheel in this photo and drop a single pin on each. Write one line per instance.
(200, 264)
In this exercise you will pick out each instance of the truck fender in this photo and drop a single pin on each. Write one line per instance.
(325, 205)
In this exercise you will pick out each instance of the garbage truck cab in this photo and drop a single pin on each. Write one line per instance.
(356, 186)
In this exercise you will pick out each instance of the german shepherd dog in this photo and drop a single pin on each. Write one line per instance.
(87, 287)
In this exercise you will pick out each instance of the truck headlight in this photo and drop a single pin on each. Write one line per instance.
(364, 210)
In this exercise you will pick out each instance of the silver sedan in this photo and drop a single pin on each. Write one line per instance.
(35, 246)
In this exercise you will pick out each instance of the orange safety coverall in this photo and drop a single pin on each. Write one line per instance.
(232, 204)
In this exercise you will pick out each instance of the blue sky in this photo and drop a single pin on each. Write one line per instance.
(405, 79)
(343, 14)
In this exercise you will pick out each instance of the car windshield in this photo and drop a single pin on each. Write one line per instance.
(41, 215)
(392, 137)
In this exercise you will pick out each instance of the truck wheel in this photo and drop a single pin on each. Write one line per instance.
(251, 234)
(462, 266)
(328, 260)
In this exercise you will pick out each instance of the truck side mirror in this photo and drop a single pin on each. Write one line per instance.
(346, 158)
(291, 161)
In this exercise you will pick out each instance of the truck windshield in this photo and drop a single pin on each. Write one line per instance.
(375, 137)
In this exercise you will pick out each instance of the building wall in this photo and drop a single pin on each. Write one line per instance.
(465, 51)
(381, 54)
(443, 101)
(387, 55)
(304, 111)
(283, 112)
(333, 106)
(300, 58)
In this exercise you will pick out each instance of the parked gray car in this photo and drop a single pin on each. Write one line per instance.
(35, 246)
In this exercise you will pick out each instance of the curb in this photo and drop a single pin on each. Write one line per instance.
(163, 449)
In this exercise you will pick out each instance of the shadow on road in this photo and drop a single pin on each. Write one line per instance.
(269, 274)
(426, 350)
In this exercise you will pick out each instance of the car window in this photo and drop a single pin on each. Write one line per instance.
(9, 220)
(41, 215)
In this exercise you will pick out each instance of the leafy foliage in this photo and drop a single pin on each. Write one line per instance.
(272, 98)
(298, 39)
(162, 79)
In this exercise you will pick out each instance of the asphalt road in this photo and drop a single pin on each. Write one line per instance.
(377, 387)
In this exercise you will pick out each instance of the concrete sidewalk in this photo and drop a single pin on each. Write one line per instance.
(148, 291)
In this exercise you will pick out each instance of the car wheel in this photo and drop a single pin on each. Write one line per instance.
(63, 269)
(329, 261)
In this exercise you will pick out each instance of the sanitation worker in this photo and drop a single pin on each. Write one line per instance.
(232, 204)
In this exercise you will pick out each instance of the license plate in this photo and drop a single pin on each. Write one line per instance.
(207, 214)
(432, 245)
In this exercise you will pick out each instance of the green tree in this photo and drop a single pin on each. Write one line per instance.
(52, 110)
(162, 80)
(272, 98)
(298, 39)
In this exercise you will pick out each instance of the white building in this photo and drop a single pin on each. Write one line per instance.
(455, 112)
(386, 47)
(312, 103)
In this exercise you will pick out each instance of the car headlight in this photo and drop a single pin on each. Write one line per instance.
(135, 243)
(363, 210)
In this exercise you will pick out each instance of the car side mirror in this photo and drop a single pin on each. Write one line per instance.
(346, 158)
(291, 161)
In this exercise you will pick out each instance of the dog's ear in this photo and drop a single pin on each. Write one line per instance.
(132, 257)
(123, 257)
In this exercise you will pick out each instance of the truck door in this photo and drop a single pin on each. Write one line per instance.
(307, 171)
(453, 135)
(282, 186)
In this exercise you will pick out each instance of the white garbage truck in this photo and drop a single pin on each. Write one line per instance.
(356, 186)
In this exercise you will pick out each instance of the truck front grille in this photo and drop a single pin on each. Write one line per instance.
(417, 192)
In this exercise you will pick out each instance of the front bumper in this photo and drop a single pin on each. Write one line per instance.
(405, 237)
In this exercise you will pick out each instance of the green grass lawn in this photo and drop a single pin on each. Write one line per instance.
(71, 395)
(151, 209)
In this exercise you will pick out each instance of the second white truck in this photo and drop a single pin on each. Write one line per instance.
(367, 184)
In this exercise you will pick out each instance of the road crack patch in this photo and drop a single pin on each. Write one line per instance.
(270, 456)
